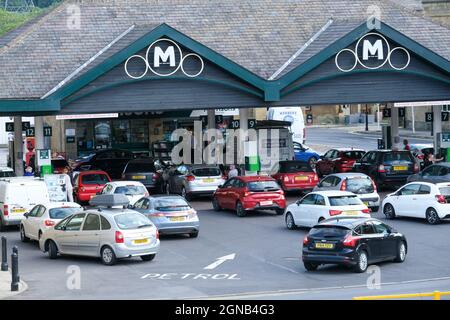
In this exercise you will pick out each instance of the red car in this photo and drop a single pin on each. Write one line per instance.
(338, 161)
(88, 183)
(295, 175)
(248, 193)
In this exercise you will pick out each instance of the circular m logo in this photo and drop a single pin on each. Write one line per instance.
(164, 58)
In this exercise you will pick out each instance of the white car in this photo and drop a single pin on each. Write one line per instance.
(132, 189)
(419, 200)
(45, 216)
(318, 206)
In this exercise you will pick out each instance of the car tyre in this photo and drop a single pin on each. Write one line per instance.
(240, 210)
(432, 216)
(389, 211)
(23, 237)
(216, 204)
(401, 252)
(52, 250)
(193, 234)
(108, 256)
(310, 266)
(362, 262)
(148, 257)
(290, 222)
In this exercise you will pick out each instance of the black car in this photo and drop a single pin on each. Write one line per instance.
(387, 167)
(145, 171)
(353, 242)
(112, 161)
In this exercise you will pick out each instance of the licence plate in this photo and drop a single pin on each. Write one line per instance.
(300, 178)
(351, 213)
(208, 180)
(141, 241)
(18, 210)
(177, 218)
(324, 245)
(400, 168)
(266, 203)
(138, 177)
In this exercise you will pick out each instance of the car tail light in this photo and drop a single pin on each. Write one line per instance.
(49, 223)
(365, 211)
(350, 241)
(335, 212)
(344, 185)
(305, 240)
(190, 178)
(119, 237)
(441, 199)
(381, 169)
(416, 168)
(5, 210)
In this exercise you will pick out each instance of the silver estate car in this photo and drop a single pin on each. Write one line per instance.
(193, 180)
(107, 233)
(170, 214)
(357, 183)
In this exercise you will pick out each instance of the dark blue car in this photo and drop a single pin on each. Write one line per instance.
(304, 153)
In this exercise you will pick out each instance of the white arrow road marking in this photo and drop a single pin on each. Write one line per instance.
(220, 261)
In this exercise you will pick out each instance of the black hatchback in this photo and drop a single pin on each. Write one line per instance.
(387, 167)
(353, 242)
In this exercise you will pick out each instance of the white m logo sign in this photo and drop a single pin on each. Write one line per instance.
(161, 57)
(375, 49)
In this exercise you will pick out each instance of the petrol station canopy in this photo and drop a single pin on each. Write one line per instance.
(92, 56)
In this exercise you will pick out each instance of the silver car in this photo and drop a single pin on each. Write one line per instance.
(170, 214)
(357, 183)
(193, 180)
(108, 233)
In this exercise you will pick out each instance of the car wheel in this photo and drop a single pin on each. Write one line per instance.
(401, 252)
(193, 234)
(52, 250)
(290, 223)
(310, 266)
(148, 257)
(279, 211)
(362, 262)
(216, 204)
(240, 210)
(108, 256)
(23, 237)
(389, 211)
(432, 216)
(312, 162)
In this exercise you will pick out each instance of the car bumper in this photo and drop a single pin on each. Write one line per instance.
(348, 259)
(123, 251)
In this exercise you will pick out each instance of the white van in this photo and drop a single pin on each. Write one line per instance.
(19, 195)
(294, 115)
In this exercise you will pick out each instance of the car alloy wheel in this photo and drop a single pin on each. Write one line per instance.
(432, 216)
(290, 224)
(389, 211)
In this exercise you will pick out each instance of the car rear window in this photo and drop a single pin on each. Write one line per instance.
(140, 167)
(130, 190)
(94, 179)
(131, 220)
(355, 155)
(393, 157)
(171, 204)
(61, 213)
(344, 201)
(360, 185)
(293, 167)
(256, 186)
(206, 172)
(328, 232)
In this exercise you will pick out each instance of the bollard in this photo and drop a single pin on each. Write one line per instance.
(4, 255)
(15, 279)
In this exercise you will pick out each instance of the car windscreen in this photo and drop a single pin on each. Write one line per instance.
(61, 213)
(140, 167)
(131, 220)
(344, 201)
(94, 179)
(171, 204)
(360, 185)
(355, 155)
(130, 190)
(395, 157)
(261, 186)
(328, 232)
(206, 172)
(293, 167)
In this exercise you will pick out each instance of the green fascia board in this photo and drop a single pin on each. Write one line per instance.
(29, 106)
(162, 30)
(352, 37)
